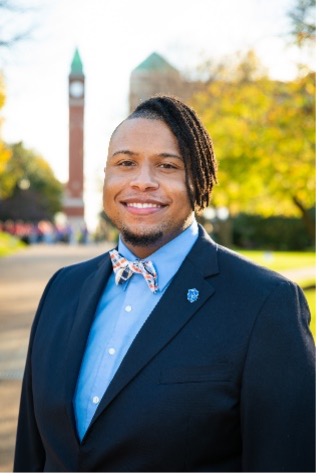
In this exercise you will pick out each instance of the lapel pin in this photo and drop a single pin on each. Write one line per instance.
(192, 295)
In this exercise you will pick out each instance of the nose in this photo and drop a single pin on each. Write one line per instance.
(144, 178)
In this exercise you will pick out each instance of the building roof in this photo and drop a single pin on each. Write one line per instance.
(154, 62)
(76, 65)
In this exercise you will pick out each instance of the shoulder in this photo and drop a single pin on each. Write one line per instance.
(232, 262)
(67, 283)
(230, 267)
(248, 279)
(85, 266)
(242, 284)
(76, 273)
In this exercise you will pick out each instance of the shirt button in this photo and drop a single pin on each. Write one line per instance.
(96, 400)
(111, 351)
(128, 308)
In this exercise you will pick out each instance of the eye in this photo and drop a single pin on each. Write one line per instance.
(168, 165)
(125, 163)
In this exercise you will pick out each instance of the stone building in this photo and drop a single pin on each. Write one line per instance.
(156, 76)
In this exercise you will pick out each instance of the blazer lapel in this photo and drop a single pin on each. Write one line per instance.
(90, 293)
(162, 325)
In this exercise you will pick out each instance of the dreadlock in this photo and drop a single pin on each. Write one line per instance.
(194, 143)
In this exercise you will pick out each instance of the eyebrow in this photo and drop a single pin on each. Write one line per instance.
(164, 155)
(168, 154)
(125, 151)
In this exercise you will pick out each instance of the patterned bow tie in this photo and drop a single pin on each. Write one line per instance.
(124, 269)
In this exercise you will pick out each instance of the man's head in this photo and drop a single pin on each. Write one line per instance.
(194, 143)
(160, 168)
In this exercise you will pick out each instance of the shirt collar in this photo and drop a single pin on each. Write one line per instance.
(168, 259)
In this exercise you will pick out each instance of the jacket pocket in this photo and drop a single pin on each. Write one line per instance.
(219, 372)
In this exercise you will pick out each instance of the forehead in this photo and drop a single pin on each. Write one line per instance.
(140, 133)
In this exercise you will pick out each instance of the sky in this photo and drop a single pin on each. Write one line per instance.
(113, 37)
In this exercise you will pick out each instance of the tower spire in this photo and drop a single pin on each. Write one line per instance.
(76, 65)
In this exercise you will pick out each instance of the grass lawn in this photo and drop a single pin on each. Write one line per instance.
(311, 298)
(9, 244)
(282, 261)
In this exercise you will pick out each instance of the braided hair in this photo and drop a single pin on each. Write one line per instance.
(194, 143)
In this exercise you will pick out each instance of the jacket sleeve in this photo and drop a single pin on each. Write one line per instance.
(29, 450)
(278, 387)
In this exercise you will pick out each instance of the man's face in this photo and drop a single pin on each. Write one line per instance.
(145, 193)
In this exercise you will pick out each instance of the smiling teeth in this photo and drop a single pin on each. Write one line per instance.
(144, 205)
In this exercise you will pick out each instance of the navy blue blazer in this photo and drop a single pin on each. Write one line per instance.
(221, 384)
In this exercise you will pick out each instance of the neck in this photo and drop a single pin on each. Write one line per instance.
(143, 250)
(140, 251)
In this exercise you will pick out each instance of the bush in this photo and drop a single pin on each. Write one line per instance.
(274, 233)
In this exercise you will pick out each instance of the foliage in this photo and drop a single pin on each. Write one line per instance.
(2, 92)
(311, 298)
(28, 176)
(9, 244)
(4, 152)
(273, 233)
(237, 67)
(264, 137)
(303, 22)
(14, 22)
(28, 188)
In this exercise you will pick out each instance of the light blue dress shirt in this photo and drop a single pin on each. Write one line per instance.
(119, 317)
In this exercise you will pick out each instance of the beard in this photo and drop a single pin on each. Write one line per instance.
(142, 238)
(146, 239)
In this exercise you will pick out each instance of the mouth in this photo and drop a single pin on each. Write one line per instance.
(143, 208)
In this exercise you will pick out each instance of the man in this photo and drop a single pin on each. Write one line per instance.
(186, 358)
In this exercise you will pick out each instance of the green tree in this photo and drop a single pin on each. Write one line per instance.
(27, 176)
(4, 152)
(264, 136)
(12, 30)
(303, 22)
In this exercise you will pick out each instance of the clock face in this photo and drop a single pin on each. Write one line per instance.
(76, 89)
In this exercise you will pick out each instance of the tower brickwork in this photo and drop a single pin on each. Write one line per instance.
(73, 200)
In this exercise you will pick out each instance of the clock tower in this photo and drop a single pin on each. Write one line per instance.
(73, 201)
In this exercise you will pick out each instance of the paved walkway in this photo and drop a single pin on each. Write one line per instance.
(22, 280)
